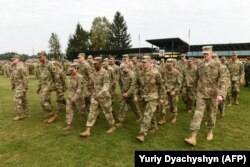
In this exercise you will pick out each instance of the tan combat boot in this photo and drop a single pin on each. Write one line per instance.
(192, 139)
(210, 135)
(153, 130)
(237, 101)
(52, 118)
(173, 119)
(68, 127)
(19, 117)
(230, 102)
(162, 120)
(111, 129)
(86, 133)
(189, 111)
(119, 124)
(141, 138)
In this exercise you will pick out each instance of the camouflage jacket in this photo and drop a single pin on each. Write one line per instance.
(85, 70)
(189, 77)
(19, 77)
(75, 86)
(171, 79)
(210, 80)
(236, 70)
(153, 87)
(101, 83)
(127, 83)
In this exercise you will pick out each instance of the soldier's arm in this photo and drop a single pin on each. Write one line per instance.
(132, 85)
(160, 83)
(178, 83)
(106, 83)
(25, 78)
(55, 74)
(222, 82)
(12, 82)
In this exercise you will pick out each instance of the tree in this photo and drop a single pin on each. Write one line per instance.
(77, 43)
(99, 33)
(54, 47)
(119, 38)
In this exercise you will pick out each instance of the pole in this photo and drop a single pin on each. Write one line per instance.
(139, 45)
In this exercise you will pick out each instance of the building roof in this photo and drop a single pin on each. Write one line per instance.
(222, 47)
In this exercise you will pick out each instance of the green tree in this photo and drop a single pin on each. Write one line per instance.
(99, 33)
(54, 47)
(119, 37)
(77, 43)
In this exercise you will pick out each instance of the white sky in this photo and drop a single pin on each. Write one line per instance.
(28, 24)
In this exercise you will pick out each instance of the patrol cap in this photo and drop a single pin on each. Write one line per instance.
(170, 60)
(15, 57)
(111, 58)
(81, 55)
(214, 55)
(41, 53)
(97, 59)
(183, 55)
(235, 53)
(90, 57)
(106, 59)
(146, 59)
(207, 49)
(134, 58)
(191, 59)
(223, 58)
(72, 66)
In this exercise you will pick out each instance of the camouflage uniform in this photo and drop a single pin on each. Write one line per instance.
(128, 85)
(172, 82)
(19, 82)
(188, 87)
(75, 96)
(247, 71)
(236, 73)
(153, 90)
(49, 79)
(101, 89)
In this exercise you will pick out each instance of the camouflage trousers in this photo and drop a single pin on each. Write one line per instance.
(234, 91)
(125, 101)
(21, 103)
(173, 100)
(203, 104)
(104, 104)
(188, 95)
(46, 99)
(60, 100)
(221, 107)
(149, 119)
(70, 103)
(163, 107)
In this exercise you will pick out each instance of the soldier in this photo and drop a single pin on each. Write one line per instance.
(75, 96)
(100, 100)
(49, 78)
(19, 83)
(172, 82)
(247, 71)
(153, 91)
(128, 86)
(85, 70)
(116, 69)
(236, 70)
(211, 87)
(188, 86)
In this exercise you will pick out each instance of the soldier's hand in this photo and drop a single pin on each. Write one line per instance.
(97, 98)
(125, 95)
(172, 93)
(161, 101)
(219, 98)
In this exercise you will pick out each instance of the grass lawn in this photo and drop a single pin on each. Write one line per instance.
(33, 143)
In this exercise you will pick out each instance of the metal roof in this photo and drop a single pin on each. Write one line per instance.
(222, 47)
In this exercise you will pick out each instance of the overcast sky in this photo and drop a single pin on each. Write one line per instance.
(27, 24)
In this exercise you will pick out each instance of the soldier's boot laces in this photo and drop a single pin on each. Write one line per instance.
(192, 139)
(111, 129)
(86, 133)
(141, 138)
(162, 120)
(68, 127)
(210, 135)
(174, 119)
(52, 118)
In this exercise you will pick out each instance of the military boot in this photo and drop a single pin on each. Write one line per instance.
(119, 124)
(153, 130)
(141, 138)
(52, 118)
(210, 135)
(173, 119)
(192, 139)
(237, 101)
(68, 127)
(86, 133)
(162, 120)
(230, 103)
(111, 129)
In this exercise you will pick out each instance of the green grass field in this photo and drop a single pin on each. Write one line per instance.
(31, 142)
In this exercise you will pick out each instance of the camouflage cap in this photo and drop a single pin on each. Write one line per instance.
(41, 53)
(106, 59)
(207, 49)
(170, 60)
(97, 59)
(81, 55)
(223, 58)
(146, 59)
(235, 53)
(15, 57)
(125, 56)
(90, 57)
(183, 55)
(134, 58)
(191, 59)
(111, 58)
